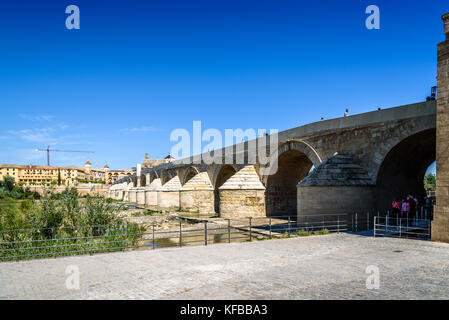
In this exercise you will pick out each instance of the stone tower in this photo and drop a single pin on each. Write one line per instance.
(440, 226)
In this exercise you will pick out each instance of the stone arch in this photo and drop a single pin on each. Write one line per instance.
(294, 144)
(153, 175)
(223, 173)
(292, 161)
(188, 174)
(143, 180)
(403, 168)
(166, 176)
(381, 140)
(214, 171)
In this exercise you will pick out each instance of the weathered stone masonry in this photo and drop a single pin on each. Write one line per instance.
(440, 226)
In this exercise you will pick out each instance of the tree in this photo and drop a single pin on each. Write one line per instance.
(8, 183)
(59, 177)
(430, 180)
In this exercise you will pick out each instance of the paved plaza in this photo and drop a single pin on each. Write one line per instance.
(319, 267)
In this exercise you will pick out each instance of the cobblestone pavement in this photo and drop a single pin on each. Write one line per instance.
(321, 267)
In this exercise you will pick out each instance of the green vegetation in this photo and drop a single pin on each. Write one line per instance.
(304, 233)
(145, 213)
(9, 189)
(91, 181)
(430, 181)
(62, 224)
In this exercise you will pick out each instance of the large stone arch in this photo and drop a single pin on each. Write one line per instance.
(214, 170)
(221, 175)
(292, 162)
(187, 174)
(380, 140)
(153, 175)
(166, 176)
(403, 168)
(290, 145)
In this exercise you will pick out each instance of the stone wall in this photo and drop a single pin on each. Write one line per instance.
(440, 225)
(132, 195)
(140, 197)
(168, 199)
(198, 200)
(151, 198)
(319, 200)
(242, 203)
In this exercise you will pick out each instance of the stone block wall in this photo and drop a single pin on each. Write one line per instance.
(198, 200)
(132, 196)
(168, 199)
(236, 203)
(319, 200)
(440, 225)
(140, 197)
(151, 198)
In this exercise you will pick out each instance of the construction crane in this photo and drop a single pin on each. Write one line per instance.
(48, 150)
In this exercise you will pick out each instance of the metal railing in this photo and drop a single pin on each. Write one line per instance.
(66, 241)
(397, 227)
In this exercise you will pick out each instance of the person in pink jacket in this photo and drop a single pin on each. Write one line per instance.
(405, 208)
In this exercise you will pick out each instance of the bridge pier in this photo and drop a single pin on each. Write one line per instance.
(140, 196)
(197, 194)
(169, 194)
(337, 186)
(151, 193)
(440, 225)
(132, 195)
(242, 195)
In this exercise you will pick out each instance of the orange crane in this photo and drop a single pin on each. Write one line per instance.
(48, 150)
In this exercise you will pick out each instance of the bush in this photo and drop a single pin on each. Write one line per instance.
(62, 224)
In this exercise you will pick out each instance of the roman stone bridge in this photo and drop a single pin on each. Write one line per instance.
(360, 163)
(345, 165)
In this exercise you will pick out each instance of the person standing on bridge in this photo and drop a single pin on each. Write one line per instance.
(347, 112)
(396, 207)
(405, 209)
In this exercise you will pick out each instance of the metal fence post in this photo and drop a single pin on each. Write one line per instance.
(270, 230)
(229, 230)
(338, 224)
(250, 231)
(205, 233)
(91, 240)
(180, 233)
(288, 230)
(386, 224)
(375, 226)
(356, 223)
(154, 246)
(400, 228)
(367, 221)
(352, 222)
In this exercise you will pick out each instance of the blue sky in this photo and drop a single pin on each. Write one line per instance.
(136, 70)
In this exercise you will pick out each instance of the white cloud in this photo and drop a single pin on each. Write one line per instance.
(140, 129)
(36, 117)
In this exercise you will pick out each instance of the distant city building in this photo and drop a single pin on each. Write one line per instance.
(149, 163)
(67, 176)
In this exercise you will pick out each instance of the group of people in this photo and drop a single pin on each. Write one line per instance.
(411, 205)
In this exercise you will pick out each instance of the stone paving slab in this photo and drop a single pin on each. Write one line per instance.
(319, 267)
